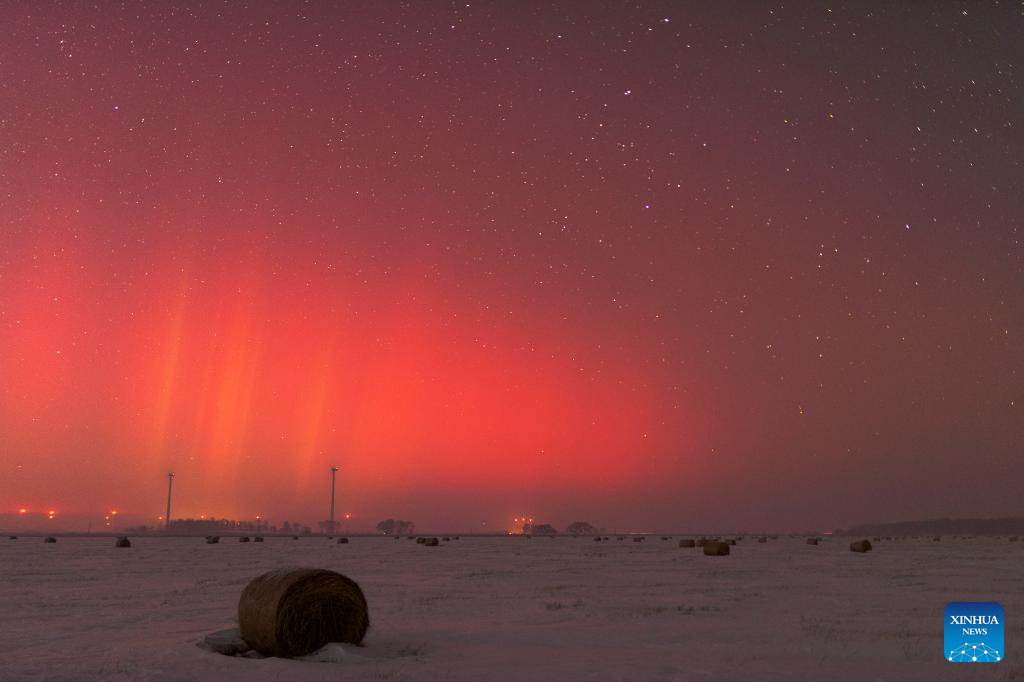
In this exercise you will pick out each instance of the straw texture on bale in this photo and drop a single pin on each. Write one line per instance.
(212, 539)
(294, 612)
(687, 543)
(812, 541)
(50, 540)
(123, 541)
(715, 548)
(860, 546)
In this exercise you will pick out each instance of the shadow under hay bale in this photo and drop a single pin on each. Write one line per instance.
(50, 540)
(715, 548)
(812, 541)
(430, 542)
(258, 538)
(687, 543)
(294, 612)
(244, 538)
(860, 546)
(342, 541)
(123, 541)
(212, 539)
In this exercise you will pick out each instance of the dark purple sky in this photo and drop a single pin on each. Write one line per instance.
(645, 264)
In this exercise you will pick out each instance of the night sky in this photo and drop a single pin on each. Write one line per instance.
(650, 265)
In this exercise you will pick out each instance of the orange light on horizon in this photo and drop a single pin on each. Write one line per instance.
(348, 515)
(23, 510)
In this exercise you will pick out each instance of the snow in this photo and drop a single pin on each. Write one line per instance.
(512, 608)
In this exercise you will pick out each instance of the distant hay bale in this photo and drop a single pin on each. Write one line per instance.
(687, 543)
(762, 540)
(342, 541)
(212, 539)
(876, 539)
(446, 539)
(258, 538)
(731, 542)
(664, 538)
(430, 542)
(597, 539)
(715, 548)
(294, 612)
(860, 546)
(50, 540)
(1012, 539)
(936, 539)
(620, 539)
(639, 539)
(420, 541)
(244, 538)
(456, 537)
(123, 541)
(812, 541)
(13, 537)
(295, 537)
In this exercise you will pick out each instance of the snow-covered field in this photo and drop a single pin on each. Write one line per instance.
(515, 608)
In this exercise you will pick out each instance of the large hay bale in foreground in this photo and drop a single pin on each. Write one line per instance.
(860, 546)
(715, 548)
(123, 541)
(812, 541)
(50, 540)
(294, 612)
(687, 543)
(212, 539)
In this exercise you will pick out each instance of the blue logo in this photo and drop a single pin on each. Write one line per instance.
(974, 632)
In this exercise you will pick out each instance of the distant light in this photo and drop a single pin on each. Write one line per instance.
(114, 512)
(23, 511)
(348, 515)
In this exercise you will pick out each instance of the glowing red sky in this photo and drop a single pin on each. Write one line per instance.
(659, 267)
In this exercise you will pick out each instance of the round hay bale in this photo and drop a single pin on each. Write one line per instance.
(420, 541)
(860, 546)
(446, 539)
(212, 539)
(50, 540)
(812, 541)
(258, 538)
(876, 539)
(342, 541)
(1012, 539)
(936, 539)
(430, 542)
(687, 543)
(294, 612)
(456, 537)
(715, 548)
(123, 541)
(762, 540)
(597, 539)
(295, 537)
(244, 538)
(13, 537)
